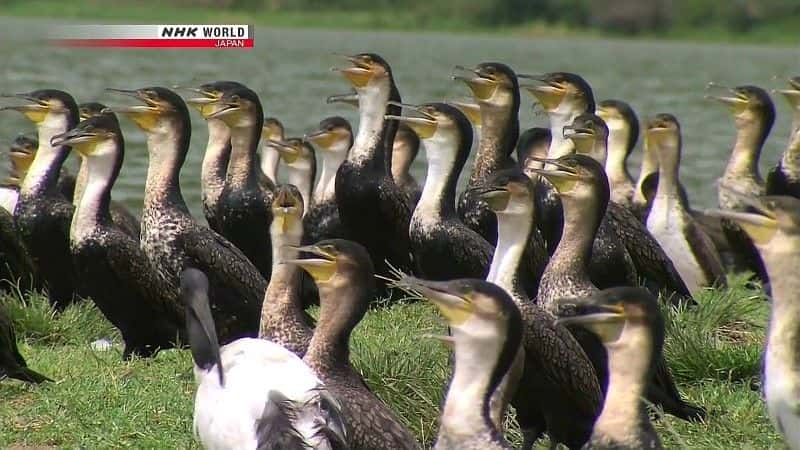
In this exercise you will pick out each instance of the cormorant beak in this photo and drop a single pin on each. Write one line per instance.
(481, 85)
(271, 132)
(75, 136)
(578, 133)
(288, 151)
(359, 74)
(792, 94)
(760, 223)
(606, 321)
(285, 209)
(350, 98)
(735, 100)
(496, 197)
(447, 341)
(145, 116)
(322, 269)
(207, 105)
(425, 126)
(221, 109)
(563, 177)
(471, 110)
(548, 93)
(323, 139)
(454, 306)
(36, 111)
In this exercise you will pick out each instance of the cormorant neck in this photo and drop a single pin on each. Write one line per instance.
(42, 176)
(746, 151)
(244, 145)
(513, 233)
(790, 161)
(401, 162)
(559, 145)
(342, 305)
(498, 136)
(215, 160)
(270, 158)
(629, 362)
(92, 206)
(616, 169)
(80, 183)
(368, 146)
(439, 192)
(466, 406)
(669, 159)
(781, 262)
(649, 166)
(301, 179)
(281, 299)
(575, 247)
(332, 158)
(167, 152)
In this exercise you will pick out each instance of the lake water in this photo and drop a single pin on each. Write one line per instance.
(290, 69)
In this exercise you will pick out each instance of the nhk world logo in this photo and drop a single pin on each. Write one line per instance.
(155, 36)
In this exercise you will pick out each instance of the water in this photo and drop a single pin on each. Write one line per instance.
(290, 69)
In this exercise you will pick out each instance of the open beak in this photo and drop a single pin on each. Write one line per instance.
(424, 126)
(453, 306)
(549, 94)
(148, 107)
(322, 268)
(285, 209)
(482, 87)
(359, 74)
(35, 111)
(571, 132)
(760, 224)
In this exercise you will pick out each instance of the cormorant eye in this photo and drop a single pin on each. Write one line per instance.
(234, 98)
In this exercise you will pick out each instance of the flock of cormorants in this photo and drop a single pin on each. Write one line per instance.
(548, 268)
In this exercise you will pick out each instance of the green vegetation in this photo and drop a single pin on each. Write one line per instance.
(100, 401)
(756, 21)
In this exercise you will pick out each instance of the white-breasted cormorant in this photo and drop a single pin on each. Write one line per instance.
(43, 215)
(628, 322)
(623, 132)
(687, 245)
(300, 164)
(404, 151)
(110, 266)
(784, 178)
(271, 131)
(254, 393)
(345, 277)
(171, 238)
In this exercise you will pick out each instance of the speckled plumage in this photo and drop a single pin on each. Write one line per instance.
(15, 262)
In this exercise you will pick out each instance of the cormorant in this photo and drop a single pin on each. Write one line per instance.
(628, 322)
(345, 277)
(495, 89)
(687, 245)
(171, 238)
(623, 132)
(443, 247)
(271, 131)
(404, 152)
(111, 268)
(12, 364)
(253, 393)
(646, 183)
(373, 210)
(773, 223)
(486, 333)
(561, 399)
(351, 98)
(333, 139)
(16, 263)
(754, 115)
(300, 164)
(784, 178)
(43, 214)
(581, 182)
(20, 154)
(244, 203)
(532, 142)
(283, 320)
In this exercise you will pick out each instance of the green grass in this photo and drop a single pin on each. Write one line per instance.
(99, 401)
(778, 31)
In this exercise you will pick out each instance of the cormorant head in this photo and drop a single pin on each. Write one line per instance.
(663, 130)
(617, 316)
(22, 152)
(97, 136)
(351, 98)
(560, 92)
(482, 317)
(238, 107)
(287, 209)
(367, 69)
(336, 262)
(620, 118)
(334, 134)
(443, 125)
(578, 177)
(772, 221)
(296, 153)
(272, 129)
(47, 108)
(750, 105)
(471, 110)
(532, 142)
(90, 109)
(491, 83)
(206, 98)
(589, 134)
(508, 191)
(792, 94)
(162, 110)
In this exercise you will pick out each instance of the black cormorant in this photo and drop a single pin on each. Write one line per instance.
(12, 364)
(111, 268)
(171, 238)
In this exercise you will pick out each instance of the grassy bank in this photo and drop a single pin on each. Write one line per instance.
(100, 401)
(150, 11)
